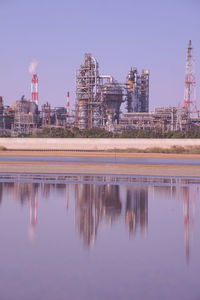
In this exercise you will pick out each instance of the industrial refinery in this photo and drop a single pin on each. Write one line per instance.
(103, 102)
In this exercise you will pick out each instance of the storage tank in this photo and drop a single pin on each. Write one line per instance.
(113, 96)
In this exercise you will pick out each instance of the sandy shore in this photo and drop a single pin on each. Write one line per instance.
(95, 168)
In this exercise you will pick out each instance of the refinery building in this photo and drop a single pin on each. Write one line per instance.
(102, 102)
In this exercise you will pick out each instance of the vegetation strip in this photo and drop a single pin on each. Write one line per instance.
(74, 132)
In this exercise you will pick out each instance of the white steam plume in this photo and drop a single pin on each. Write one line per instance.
(33, 65)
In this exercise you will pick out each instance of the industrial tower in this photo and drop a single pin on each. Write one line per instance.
(98, 97)
(137, 87)
(67, 104)
(34, 89)
(190, 84)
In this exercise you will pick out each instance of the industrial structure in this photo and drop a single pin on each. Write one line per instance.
(1, 115)
(26, 117)
(162, 118)
(99, 204)
(34, 89)
(190, 84)
(23, 116)
(103, 102)
(98, 97)
(137, 87)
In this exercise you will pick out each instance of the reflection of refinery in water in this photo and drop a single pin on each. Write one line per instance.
(187, 196)
(97, 206)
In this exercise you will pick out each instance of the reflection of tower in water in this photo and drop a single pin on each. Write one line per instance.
(98, 204)
(93, 203)
(45, 190)
(86, 212)
(25, 193)
(189, 200)
(111, 203)
(188, 194)
(136, 210)
(20, 191)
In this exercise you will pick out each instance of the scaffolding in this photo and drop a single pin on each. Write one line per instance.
(98, 97)
(137, 88)
(25, 117)
(190, 84)
(86, 91)
(144, 91)
(162, 118)
(46, 115)
(1, 116)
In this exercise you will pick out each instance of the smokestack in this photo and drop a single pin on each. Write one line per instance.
(67, 104)
(34, 89)
(34, 81)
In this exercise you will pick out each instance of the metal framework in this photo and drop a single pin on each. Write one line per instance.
(162, 119)
(46, 117)
(67, 105)
(86, 90)
(137, 88)
(144, 91)
(25, 119)
(190, 83)
(98, 97)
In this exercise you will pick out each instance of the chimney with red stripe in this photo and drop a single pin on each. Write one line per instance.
(34, 89)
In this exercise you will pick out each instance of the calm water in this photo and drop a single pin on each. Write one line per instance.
(111, 160)
(99, 238)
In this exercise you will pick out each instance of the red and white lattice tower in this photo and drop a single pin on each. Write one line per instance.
(34, 89)
(190, 83)
(67, 104)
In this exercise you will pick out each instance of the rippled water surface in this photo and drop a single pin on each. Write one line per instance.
(99, 238)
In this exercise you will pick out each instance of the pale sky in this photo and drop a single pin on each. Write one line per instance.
(149, 34)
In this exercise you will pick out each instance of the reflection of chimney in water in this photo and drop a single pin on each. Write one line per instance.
(1, 191)
(67, 196)
(33, 216)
